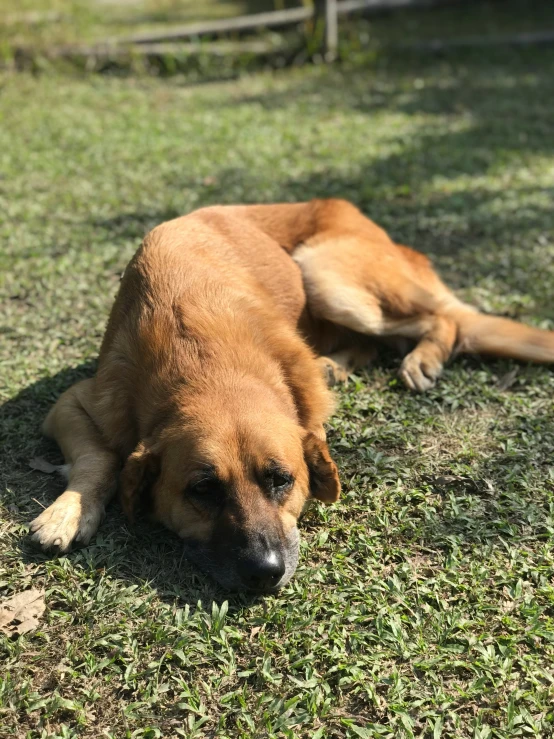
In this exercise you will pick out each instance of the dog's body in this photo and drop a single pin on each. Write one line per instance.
(210, 388)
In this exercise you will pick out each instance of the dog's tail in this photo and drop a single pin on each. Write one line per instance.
(501, 337)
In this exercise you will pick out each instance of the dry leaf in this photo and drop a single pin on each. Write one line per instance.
(490, 485)
(508, 379)
(449, 479)
(20, 613)
(40, 464)
(253, 631)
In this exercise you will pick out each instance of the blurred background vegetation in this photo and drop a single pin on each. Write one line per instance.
(93, 34)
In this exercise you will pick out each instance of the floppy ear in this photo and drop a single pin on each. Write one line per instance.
(324, 476)
(139, 473)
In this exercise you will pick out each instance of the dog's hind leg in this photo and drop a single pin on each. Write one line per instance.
(356, 277)
(421, 367)
(92, 473)
(375, 290)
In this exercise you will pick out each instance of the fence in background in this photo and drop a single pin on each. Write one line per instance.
(326, 11)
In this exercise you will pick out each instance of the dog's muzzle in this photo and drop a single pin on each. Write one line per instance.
(261, 567)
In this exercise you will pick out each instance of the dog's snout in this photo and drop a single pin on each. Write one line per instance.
(263, 569)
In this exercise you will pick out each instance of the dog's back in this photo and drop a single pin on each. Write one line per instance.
(218, 250)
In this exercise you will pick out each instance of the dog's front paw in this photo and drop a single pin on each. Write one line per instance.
(66, 521)
(333, 372)
(420, 373)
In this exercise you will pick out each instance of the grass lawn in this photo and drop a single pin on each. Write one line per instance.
(424, 602)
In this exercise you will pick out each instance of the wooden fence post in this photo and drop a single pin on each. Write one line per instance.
(328, 10)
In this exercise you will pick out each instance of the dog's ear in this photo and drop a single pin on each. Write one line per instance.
(324, 476)
(139, 473)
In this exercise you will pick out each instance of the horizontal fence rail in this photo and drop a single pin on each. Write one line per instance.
(327, 10)
(226, 25)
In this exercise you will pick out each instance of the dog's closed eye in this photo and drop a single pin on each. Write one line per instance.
(277, 481)
(207, 490)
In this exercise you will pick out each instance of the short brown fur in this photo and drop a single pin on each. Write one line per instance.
(213, 358)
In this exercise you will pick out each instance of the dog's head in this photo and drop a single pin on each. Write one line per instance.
(231, 475)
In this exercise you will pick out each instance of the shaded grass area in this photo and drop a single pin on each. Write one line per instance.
(424, 602)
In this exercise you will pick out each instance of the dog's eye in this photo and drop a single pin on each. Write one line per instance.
(208, 490)
(278, 481)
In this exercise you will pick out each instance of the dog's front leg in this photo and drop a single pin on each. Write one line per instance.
(92, 474)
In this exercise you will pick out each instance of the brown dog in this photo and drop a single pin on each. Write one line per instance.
(210, 391)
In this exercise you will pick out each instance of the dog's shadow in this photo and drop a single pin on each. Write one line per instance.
(142, 553)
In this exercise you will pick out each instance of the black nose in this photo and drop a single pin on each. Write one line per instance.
(262, 570)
